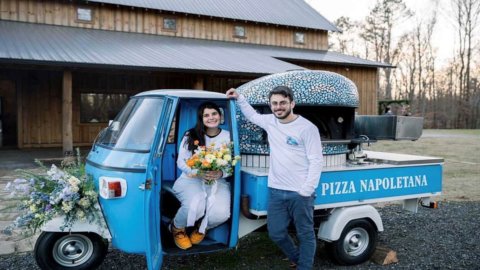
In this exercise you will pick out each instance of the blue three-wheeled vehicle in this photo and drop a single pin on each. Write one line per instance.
(133, 164)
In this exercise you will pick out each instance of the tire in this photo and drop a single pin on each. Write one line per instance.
(73, 251)
(356, 243)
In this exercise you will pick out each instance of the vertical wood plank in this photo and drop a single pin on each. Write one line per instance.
(22, 10)
(20, 127)
(32, 11)
(57, 13)
(132, 20)
(198, 83)
(117, 14)
(67, 139)
(40, 12)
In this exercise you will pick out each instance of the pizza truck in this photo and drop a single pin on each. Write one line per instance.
(133, 164)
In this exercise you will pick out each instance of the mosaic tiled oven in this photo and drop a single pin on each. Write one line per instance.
(327, 99)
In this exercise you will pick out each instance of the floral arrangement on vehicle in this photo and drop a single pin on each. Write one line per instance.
(67, 192)
(213, 158)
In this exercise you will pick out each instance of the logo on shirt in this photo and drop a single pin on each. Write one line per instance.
(292, 141)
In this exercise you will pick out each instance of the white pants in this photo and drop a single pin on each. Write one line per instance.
(198, 200)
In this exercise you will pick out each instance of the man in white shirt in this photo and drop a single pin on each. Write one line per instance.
(294, 174)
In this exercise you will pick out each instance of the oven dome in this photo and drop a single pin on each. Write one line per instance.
(310, 87)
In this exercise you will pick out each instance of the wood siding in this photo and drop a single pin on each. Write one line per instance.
(138, 20)
(364, 78)
(40, 98)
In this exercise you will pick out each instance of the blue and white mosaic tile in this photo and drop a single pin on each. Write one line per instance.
(316, 88)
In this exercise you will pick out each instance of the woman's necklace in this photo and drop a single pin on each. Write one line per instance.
(213, 133)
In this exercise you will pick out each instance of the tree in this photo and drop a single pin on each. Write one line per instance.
(467, 14)
(344, 42)
(377, 32)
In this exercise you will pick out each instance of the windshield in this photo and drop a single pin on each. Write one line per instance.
(134, 128)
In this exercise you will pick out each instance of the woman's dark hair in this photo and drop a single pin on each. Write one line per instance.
(197, 133)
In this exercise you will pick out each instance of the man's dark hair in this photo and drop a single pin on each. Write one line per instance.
(281, 90)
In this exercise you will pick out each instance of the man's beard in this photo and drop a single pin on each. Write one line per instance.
(287, 113)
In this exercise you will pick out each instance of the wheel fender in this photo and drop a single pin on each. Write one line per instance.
(99, 228)
(331, 229)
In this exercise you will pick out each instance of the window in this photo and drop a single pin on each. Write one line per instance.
(100, 108)
(299, 37)
(171, 133)
(84, 14)
(135, 126)
(239, 31)
(170, 24)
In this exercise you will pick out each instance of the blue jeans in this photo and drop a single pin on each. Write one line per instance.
(285, 206)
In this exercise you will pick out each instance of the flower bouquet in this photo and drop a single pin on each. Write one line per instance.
(213, 158)
(66, 192)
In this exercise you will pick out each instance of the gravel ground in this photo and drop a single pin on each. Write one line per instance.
(444, 238)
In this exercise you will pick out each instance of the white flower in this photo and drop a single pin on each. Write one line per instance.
(55, 174)
(210, 158)
(67, 207)
(7, 187)
(222, 162)
(73, 181)
(74, 189)
(227, 157)
(84, 202)
(80, 214)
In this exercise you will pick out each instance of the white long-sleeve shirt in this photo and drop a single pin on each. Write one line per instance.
(184, 154)
(295, 151)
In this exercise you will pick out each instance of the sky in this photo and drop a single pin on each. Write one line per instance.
(444, 34)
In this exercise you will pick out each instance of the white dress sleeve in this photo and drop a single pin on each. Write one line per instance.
(183, 155)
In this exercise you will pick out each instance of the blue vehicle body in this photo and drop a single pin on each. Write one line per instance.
(139, 149)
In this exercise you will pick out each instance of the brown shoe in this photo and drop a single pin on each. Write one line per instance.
(196, 237)
(180, 236)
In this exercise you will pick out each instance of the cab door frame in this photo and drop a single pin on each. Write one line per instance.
(152, 186)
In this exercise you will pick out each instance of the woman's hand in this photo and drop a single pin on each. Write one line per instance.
(210, 176)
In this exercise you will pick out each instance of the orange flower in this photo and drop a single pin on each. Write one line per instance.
(196, 142)
(206, 164)
(190, 162)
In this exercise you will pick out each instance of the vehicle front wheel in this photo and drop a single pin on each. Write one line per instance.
(356, 244)
(75, 251)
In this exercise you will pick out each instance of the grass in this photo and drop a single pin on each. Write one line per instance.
(460, 150)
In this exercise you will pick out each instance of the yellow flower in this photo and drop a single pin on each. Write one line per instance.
(227, 157)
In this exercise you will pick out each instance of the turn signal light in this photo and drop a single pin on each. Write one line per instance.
(112, 188)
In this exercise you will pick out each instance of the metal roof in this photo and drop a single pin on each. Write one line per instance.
(60, 45)
(295, 13)
(183, 93)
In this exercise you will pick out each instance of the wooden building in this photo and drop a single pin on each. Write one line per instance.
(67, 67)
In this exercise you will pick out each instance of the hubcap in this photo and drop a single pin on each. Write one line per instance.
(72, 250)
(356, 241)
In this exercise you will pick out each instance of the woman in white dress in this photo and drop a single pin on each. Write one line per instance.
(199, 199)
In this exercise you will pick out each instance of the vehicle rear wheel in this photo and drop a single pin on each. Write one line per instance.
(75, 251)
(356, 244)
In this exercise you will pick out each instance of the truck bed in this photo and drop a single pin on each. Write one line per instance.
(379, 178)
